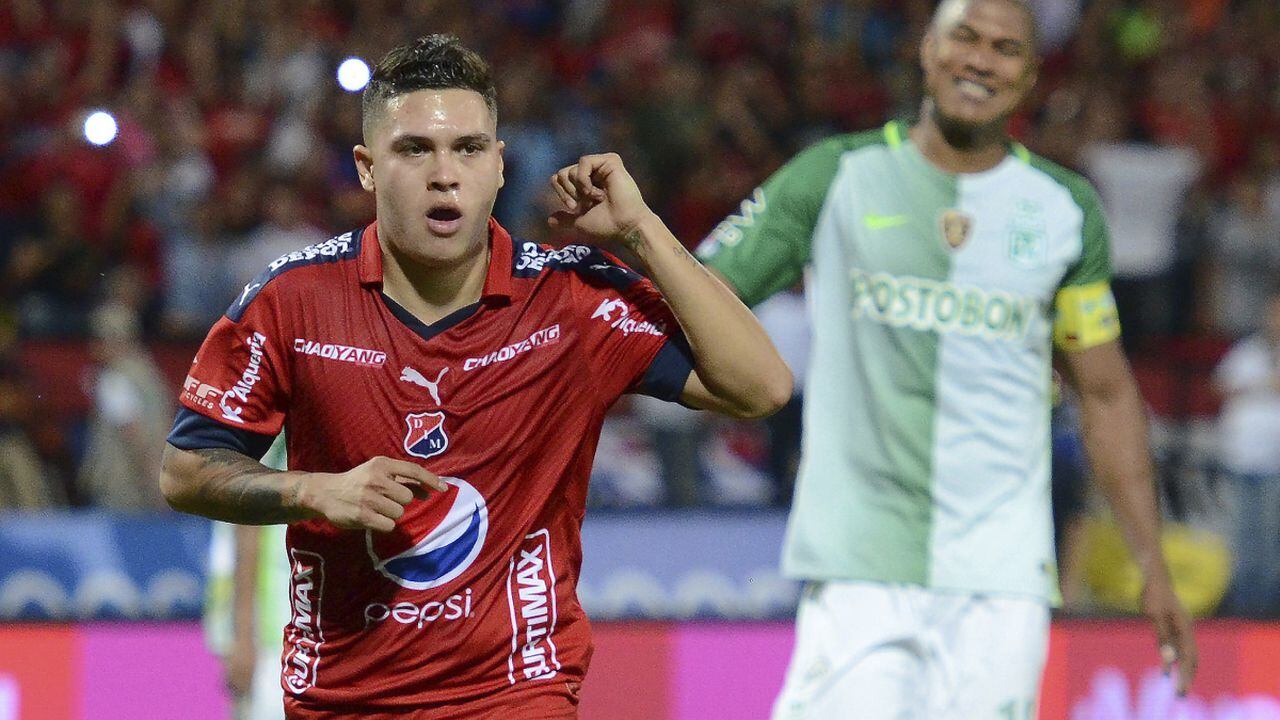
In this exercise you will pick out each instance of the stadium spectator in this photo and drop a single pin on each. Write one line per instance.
(131, 407)
(285, 228)
(534, 148)
(198, 276)
(1249, 439)
(24, 482)
(1244, 259)
(1142, 186)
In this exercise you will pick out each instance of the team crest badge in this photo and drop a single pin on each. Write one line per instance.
(956, 228)
(426, 437)
(1026, 246)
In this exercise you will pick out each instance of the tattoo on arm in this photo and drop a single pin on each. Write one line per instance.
(226, 485)
(631, 239)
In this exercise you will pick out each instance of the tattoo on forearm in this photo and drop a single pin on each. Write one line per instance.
(683, 252)
(235, 489)
(631, 239)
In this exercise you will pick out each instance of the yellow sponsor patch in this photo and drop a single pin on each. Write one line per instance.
(1085, 316)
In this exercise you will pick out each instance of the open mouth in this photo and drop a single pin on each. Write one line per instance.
(444, 219)
(445, 214)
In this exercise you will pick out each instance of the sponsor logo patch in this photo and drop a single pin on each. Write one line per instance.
(303, 636)
(455, 535)
(244, 386)
(545, 336)
(613, 307)
(531, 598)
(200, 393)
(533, 259)
(340, 353)
(729, 232)
(931, 305)
(330, 249)
(454, 607)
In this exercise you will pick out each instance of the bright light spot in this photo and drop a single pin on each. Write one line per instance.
(353, 74)
(100, 127)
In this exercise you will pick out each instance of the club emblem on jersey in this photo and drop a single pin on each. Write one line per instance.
(425, 437)
(1026, 246)
(450, 540)
(956, 227)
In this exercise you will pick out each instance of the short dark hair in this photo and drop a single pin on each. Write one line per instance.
(434, 62)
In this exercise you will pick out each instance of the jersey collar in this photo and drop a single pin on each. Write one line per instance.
(497, 283)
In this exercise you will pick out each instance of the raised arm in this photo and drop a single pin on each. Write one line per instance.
(1114, 424)
(737, 371)
(227, 485)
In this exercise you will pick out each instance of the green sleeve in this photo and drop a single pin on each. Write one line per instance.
(276, 457)
(764, 247)
(1095, 257)
(1094, 265)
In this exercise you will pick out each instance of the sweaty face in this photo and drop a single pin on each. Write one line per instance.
(434, 164)
(979, 61)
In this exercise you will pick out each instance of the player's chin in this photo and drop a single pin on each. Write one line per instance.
(972, 119)
(432, 249)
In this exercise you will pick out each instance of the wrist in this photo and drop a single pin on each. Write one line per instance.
(1154, 571)
(638, 233)
(640, 236)
(300, 497)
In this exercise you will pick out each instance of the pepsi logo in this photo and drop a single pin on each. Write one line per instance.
(457, 522)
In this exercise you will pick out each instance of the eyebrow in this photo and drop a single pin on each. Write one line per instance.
(482, 138)
(1004, 42)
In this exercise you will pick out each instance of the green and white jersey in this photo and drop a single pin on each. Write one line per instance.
(935, 299)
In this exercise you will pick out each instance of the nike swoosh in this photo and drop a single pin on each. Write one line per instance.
(881, 222)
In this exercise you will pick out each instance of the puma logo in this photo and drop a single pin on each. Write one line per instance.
(244, 296)
(411, 375)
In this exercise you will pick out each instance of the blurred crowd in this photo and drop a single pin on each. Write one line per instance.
(234, 147)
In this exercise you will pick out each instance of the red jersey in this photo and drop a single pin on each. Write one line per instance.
(473, 593)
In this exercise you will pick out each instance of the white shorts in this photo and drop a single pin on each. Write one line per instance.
(874, 651)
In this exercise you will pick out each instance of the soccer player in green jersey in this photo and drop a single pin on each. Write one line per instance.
(246, 604)
(946, 264)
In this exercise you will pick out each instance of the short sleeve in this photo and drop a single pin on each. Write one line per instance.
(631, 339)
(764, 247)
(1085, 312)
(240, 376)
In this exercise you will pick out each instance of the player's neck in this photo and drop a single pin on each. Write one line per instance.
(432, 292)
(977, 151)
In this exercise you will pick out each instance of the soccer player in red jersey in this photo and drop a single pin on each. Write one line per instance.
(443, 387)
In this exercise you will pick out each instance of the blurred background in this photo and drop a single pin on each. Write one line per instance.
(155, 154)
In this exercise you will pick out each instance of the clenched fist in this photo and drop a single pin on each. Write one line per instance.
(598, 197)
